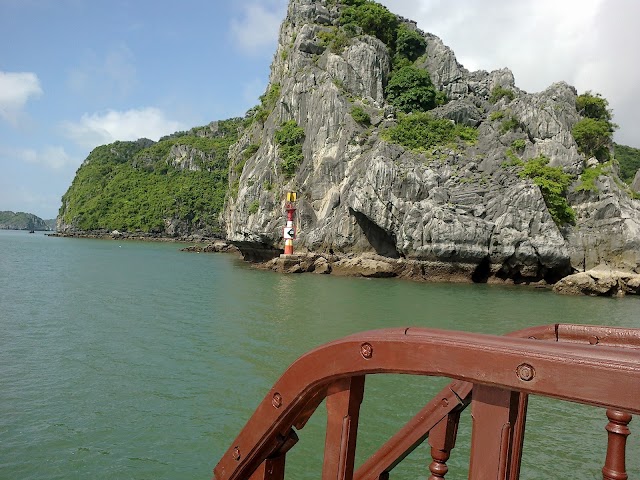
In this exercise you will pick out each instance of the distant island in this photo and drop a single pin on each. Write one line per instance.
(24, 221)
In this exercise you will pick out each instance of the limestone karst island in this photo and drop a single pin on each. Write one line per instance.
(404, 163)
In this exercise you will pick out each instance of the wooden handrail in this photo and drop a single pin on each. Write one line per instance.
(416, 430)
(499, 364)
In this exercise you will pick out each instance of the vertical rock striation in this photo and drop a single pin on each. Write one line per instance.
(461, 205)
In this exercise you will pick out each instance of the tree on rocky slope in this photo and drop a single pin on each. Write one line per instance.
(594, 132)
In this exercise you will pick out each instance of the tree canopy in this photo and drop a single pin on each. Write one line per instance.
(409, 44)
(410, 90)
(593, 106)
(594, 132)
(374, 19)
(593, 137)
(629, 160)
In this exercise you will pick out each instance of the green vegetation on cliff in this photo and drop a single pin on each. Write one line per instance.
(420, 131)
(267, 103)
(593, 138)
(335, 39)
(593, 106)
(143, 186)
(409, 44)
(289, 138)
(360, 116)
(373, 19)
(594, 132)
(553, 184)
(589, 176)
(500, 92)
(410, 90)
(629, 160)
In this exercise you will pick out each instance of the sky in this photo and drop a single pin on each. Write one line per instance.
(75, 74)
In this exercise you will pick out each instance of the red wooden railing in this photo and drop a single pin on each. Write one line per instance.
(597, 366)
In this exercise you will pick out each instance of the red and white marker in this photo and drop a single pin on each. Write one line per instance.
(289, 232)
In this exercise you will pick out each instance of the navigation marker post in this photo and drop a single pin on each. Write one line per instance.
(289, 231)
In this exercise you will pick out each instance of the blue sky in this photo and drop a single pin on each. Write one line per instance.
(75, 74)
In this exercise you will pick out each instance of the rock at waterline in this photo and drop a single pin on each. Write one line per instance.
(599, 282)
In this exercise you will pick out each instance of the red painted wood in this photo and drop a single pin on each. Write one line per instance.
(517, 440)
(555, 362)
(270, 469)
(617, 432)
(454, 396)
(494, 412)
(343, 410)
(442, 439)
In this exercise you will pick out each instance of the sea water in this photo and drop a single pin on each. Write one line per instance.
(132, 360)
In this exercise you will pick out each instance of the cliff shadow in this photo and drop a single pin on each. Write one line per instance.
(482, 271)
(382, 242)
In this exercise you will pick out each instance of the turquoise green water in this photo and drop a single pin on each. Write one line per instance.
(135, 360)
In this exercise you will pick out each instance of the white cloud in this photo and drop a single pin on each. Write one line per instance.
(590, 44)
(50, 157)
(54, 158)
(16, 88)
(111, 125)
(256, 31)
(539, 46)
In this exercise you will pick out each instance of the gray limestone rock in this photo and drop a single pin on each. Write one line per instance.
(184, 157)
(599, 282)
(636, 182)
(462, 111)
(462, 207)
(364, 267)
(607, 229)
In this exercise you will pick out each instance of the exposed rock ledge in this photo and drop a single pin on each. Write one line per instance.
(117, 235)
(219, 246)
(376, 266)
(599, 282)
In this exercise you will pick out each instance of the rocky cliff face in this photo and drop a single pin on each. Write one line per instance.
(636, 182)
(461, 205)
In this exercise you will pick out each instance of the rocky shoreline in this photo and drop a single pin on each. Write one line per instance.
(600, 281)
(367, 265)
(597, 282)
(218, 246)
(373, 266)
(142, 236)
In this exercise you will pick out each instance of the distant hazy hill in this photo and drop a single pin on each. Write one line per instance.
(21, 221)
